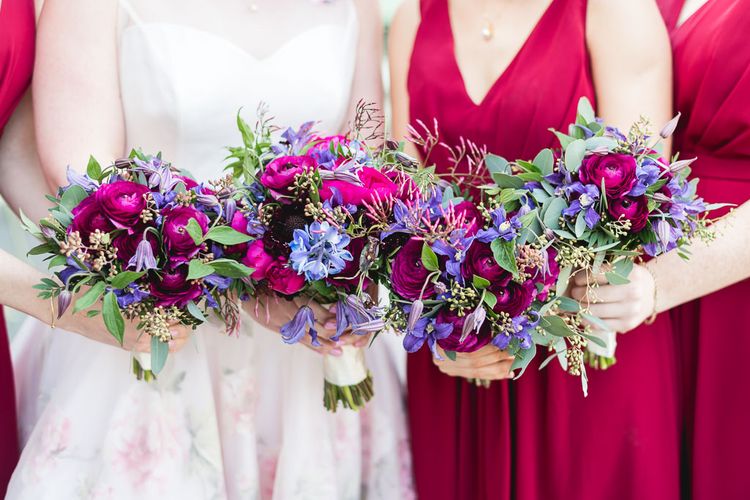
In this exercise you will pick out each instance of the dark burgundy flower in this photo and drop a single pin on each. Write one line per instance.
(408, 275)
(174, 289)
(633, 209)
(513, 298)
(88, 217)
(472, 342)
(126, 244)
(178, 242)
(349, 276)
(479, 261)
(618, 171)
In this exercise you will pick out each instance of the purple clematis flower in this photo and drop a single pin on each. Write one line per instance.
(502, 227)
(352, 314)
(144, 259)
(83, 181)
(426, 330)
(302, 323)
(130, 295)
(220, 282)
(319, 251)
(646, 174)
(587, 197)
(455, 249)
(667, 236)
(521, 329)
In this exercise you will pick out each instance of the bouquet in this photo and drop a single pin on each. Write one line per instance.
(312, 206)
(604, 200)
(146, 244)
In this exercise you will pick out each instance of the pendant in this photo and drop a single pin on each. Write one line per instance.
(253, 7)
(487, 32)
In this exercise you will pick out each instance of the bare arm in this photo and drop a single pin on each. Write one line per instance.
(21, 179)
(77, 103)
(400, 43)
(368, 80)
(631, 61)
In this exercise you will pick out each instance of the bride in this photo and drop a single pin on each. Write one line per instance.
(228, 417)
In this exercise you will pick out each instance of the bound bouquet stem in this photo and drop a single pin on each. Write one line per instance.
(347, 379)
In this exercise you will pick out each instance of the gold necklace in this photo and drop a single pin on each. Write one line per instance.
(488, 30)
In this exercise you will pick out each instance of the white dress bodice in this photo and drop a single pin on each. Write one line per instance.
(183, 79)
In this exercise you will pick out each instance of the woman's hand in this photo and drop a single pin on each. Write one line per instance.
(488, 363)
(274, 312)
(621, 307)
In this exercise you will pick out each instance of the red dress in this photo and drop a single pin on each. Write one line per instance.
(16, 63)
(537, 438)
(712, 90)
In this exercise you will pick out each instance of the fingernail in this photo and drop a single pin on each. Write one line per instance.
(330, 324)
(171, 344)
(332, 308)
(336, 351)
(361, 343)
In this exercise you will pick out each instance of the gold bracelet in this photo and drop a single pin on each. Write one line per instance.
(650, 320)
(52, 312)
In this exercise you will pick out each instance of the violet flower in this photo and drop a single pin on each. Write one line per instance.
(426, 330)
(143, 259)
(521, 330)
(129, 295)
(455, 249)
(501, 228)
(302, 323)
(80, 180)
(587, 197)
(646, 174)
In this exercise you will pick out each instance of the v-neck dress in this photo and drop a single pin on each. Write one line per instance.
(536, 438)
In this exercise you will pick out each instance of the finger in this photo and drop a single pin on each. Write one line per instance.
(488, 349)
(583, 278)
(321, 314)
(599, 294)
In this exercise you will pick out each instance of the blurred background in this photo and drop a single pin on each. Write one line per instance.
(15, 240)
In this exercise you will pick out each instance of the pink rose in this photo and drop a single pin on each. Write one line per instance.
(633, 209)
(258, 259)
(88, 217)
(279, 175)
(122, 202)
(373, 181)
(177, 240)
(616, 170)
(174, 289)
(283, 279)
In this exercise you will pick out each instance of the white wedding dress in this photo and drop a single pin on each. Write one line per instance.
(229, 417)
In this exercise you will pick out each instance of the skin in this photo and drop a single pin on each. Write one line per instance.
(23, 187)
(630, 59)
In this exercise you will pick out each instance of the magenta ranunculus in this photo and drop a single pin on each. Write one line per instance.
(633, 209)
(189, 183)
(473, 342)
(283, 279)
(349, 276)
(373, 181)
(126, 244)
(177, 240)
(122, 202)
(174, 289)
(473, 219)
(408, 275)
(616, 170)
(279, 175)
(513, 298)
(88, 217)
(258, 259)
(480, 261)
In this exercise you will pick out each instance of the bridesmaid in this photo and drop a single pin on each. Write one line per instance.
(501, 73)
(712, 90)
(16, 63)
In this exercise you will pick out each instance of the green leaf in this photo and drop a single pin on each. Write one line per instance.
(496, 164)
(73, 196)
(93, 169)
(112, 317)
(29, 224)
(552, 212)
(564, 139)
(600, 143)
(91, 296)
(125, 278)
(554, 325)
(43, 248)
(505, 255)
(159, 353)
(562, 280)
(451, 355)
(92, 313)
(574, 154)
(248, 137)
(581, 224)
(596, 340)
(196, 312)
(57, 260)
(545, 160)
(195, 231)
(227, 236)
(479, 282)
(523, 359)
(198, 269)
(568, 304)
(230, 268)
(507, 181)
(586, 111)
(429, 259)
(620, 272)
(490, 299)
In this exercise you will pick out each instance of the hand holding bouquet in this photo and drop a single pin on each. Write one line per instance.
(138, 241)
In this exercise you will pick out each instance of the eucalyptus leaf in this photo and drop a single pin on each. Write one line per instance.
(496, 164)
(523, 359)
(585, 110)
(545, 161)
(552, 212)
(112, 317)
(73, 196)
(507, 181)
(159, 353)
(196, 312)
(490, 299)
(554, 325)
(574, 154)
(568, 304)
(451, 355)
(562, 280)
(88, 298)
(580, 224)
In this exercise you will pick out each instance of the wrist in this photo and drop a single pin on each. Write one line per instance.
(654, 311)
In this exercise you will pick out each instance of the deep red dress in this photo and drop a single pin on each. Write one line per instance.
(16, 63)
(712, 90)
(536, 438)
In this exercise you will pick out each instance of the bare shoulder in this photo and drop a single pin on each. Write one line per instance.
(404, 25)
